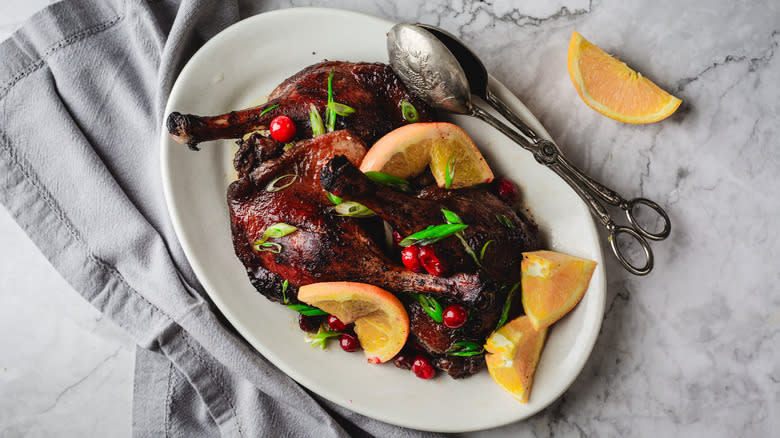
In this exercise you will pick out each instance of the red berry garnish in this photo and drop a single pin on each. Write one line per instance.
(423, 368)
(349, 342)
(282, 129)
(403, 360)
(507, 190)
(411, 259)
(335, 324)
(454, 316)
(397, 237)
(431, 262)
(309, 323)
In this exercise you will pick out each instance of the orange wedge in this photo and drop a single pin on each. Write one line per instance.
(612, 88)
(513, 354)
(406, 152)
(553, 283)
(381, 321)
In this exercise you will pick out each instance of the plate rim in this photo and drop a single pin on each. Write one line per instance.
(177, 217)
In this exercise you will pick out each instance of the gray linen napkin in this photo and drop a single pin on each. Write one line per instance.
(82, 89)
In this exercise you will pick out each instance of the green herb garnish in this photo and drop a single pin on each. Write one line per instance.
(484, 247)
(505, 221)
(284, 291)
(287, 146)
(322, 336)
(451, 217)
(334, 199)
(449, 172)
(340, 109)
(430, 305)
(305, 310)
(317, 128)
(268, 109)
(278, 184)
(507, 305)
(389, 180)
(465, 348)
(353, 209)
(273, 247)
(409, 112)
(432, 234)
(330, 115)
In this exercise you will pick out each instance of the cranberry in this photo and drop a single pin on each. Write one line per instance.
(282, 129)
(410, 257)
(454, 316)
(349, 342)
(403, 360)
(423, 368)
(309, 323)
(507, 190)
(431, 262)
(397, 237)
(335, 324)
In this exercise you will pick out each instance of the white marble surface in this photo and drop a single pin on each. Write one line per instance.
(690, 350)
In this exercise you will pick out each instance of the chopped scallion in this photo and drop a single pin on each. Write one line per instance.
(268, 109)
(306, 310)
(432, 234)
(273, 247)
(330, 115)
(284, 291)
(451, 217)
(505, 221)
(430, 305)
(465, 348)
(340, 109)
(334, 199)
(322, 336)
(279, 230)
(449, 172)
(484, 247)
(409, 112)
(353, 209)
(389, 180)
(507, 305)
(317, 127)
(280, 183)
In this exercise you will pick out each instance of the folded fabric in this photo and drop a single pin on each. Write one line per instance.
(82, 90)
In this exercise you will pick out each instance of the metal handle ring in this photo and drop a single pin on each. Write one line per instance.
(663, 234)
(644, 270)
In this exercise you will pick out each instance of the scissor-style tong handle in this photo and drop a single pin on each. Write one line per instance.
(548, 153)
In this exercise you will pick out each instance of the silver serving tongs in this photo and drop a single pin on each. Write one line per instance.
(423, 57)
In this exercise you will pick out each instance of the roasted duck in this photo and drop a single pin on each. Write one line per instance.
(328, 247)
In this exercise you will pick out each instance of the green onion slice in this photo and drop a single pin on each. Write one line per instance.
(449, 172)
(484, 247)
(284, 291)
(322, 336)
(273, 247)
(268, 109)
(507, 305)
(451, 217)
(465, 348)
(280, 229)
(430, 305)
(505, 221)
(340, 109)
(317, 127)
(432, 234)
(334, 199)
(409, 112)
(306, 310)
(353, 209)
(389, 180)
(280, 183)
(330, 115)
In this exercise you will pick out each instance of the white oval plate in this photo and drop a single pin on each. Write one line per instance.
(237, 69)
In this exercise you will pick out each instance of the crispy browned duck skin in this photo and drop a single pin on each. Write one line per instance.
(371, 89)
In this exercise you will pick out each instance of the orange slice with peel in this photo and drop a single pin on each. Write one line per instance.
(553, 283)
(405, 152)
(513, 354)
(613, 89)
(381, 321)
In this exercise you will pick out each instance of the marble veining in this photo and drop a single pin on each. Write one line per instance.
(690, 350)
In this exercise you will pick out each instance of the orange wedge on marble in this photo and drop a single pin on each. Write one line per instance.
(513, 353)
(381, 321)
(613, 89)
(553, 283)
(405, 152)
